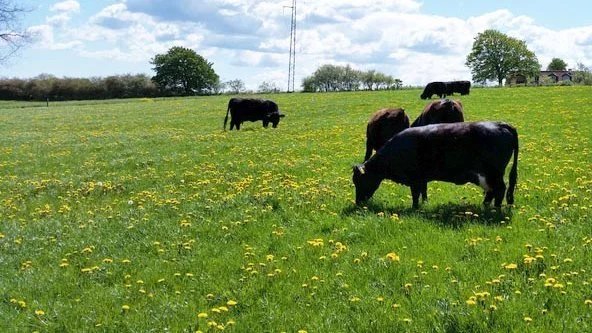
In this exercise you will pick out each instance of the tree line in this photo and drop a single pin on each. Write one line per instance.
(344, 78)
(48, 87)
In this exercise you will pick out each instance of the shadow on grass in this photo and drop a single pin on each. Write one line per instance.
(453, 215)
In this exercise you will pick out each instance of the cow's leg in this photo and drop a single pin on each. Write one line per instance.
(238, 126)
(497, 189)
(415, 192)
(424, 192)
(488, 198)
(499, 193)
(232, 124)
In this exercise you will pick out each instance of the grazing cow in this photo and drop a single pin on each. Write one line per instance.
(475, 152)
(437, 88)
(251, 109)
(443, 89)
(461, 87)
(440, 111)
(382, 126)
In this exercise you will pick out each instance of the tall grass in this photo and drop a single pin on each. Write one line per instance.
(146, 216)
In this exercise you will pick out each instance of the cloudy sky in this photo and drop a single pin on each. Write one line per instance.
(413, 40)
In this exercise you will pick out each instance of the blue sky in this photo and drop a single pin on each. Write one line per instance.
(415, 41)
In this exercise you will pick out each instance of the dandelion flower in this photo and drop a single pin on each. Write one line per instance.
(125, 307)
(511, 266)
(231, 303)
(39, 312)
(202, 315)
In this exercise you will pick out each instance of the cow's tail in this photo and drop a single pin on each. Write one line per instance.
(514, 170)
(226, 118)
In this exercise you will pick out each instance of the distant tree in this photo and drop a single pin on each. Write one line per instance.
(328, 77)
(351, 78)
(368, 79)
(182, 70)
(398, 84)
(495, 55)
(310, 84)
(12, 37)
(557, 64)
(236, 86)
(582, 75)
(268, 87)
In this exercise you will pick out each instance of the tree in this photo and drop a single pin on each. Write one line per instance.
(557, 64)
(268, 87)
(495, 55)
(236, 86)
(12, 38)
(582, 75)
(182, 70)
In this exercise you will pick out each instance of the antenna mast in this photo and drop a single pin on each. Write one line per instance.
(292, 63)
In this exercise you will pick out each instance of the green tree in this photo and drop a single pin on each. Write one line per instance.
(557, 64)
(495, 55)
(12, 38)
(236, 86)
(182, 70)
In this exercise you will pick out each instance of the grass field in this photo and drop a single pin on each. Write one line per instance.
(143, 215)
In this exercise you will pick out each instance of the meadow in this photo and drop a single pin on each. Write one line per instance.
(144, 215)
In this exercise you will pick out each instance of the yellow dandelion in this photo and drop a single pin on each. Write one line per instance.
(354, 299)
(202, 315)
(511, 266)
(39, 312)
(231, 303)
(125, 307)
(527, 319)
(393, 256)
(588, 302)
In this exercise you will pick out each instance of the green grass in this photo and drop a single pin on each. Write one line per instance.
(140, 215)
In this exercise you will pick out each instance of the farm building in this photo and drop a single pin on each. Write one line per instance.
(551, 76)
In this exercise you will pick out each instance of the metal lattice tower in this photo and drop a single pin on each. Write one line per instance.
(292, 63)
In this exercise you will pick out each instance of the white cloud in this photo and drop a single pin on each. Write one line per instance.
(65, 11)
(44, 39)
(249, 39)
(66, 6)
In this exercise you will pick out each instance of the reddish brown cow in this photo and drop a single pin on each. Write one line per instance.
(440, 111)
(382, 126)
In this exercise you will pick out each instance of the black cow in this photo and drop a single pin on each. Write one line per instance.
(461, 87)
(440, 111)
(437, 88)
(443, 89)
(382, 126)
(475, 152)
(251, 109)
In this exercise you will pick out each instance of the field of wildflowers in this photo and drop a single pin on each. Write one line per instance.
(144, 215)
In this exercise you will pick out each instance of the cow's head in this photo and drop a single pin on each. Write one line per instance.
(273, 118)
(366, 183)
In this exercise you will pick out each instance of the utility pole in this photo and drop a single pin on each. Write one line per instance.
(292, 62)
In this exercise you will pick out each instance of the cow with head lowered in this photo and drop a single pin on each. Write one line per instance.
(443, 89)
(252, 109)
(383, 124)
(468, 152)
(440, 111)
